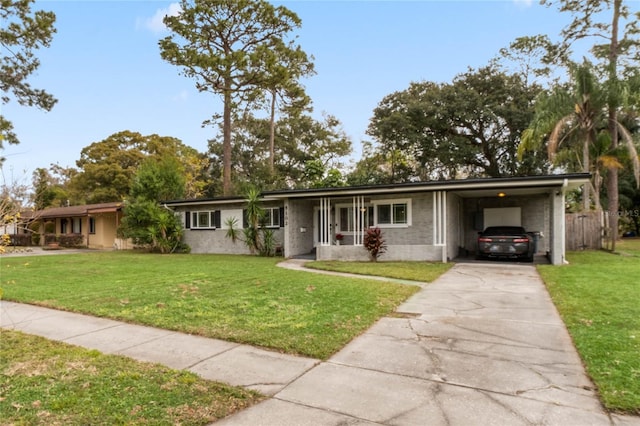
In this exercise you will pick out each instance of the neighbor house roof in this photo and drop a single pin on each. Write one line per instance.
(568, 181)
(78, 211)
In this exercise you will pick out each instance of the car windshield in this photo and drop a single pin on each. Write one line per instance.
(504, 230)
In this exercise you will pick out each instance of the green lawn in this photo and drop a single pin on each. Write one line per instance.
(598, 296)
(237, 298)
(51, 383)
(412, 271)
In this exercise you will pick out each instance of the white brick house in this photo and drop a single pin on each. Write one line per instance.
(423, 221)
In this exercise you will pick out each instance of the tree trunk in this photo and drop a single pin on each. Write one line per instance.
(226, 143)
(597, 186)
(586, 201)
(612, 184)
(272, 133)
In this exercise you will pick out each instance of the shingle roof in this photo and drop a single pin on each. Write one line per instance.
(78, 211)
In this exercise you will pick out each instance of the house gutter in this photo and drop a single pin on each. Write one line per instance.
(548, 182)
(431, 186)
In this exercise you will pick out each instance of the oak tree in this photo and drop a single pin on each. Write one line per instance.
(106, 169)
(470, 127)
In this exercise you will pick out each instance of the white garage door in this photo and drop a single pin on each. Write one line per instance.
(505, 216)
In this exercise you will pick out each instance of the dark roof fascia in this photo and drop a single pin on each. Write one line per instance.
(461, 184)
(201, 201)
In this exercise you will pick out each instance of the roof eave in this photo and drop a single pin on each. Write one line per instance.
(567, 181)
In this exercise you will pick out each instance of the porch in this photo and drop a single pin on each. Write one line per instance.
(414, 227)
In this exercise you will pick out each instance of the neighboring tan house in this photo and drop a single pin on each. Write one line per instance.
(92, 225)
(420, 221)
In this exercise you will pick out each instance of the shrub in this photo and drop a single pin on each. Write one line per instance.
(268, 243)
(374, 243)
(71, 240)
(50, 238)
(23, 240)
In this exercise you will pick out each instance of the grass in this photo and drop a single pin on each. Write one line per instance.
(237, 298)
(598, 296)
(412, 271)
(45, 382)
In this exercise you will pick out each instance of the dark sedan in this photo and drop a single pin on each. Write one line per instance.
(505, 242)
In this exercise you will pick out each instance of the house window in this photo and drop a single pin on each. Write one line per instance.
(63, 226)
(346, 218)
(76, 225)
(205, 219)
(272, 217)
(392, 213)
(92, 225)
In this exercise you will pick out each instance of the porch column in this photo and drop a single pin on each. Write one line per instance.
(41, 232)
(359, 224)
(557, 243)
(325, 221)
(440, 222)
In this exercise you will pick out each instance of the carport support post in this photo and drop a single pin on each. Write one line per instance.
(287, 243)
(557, 244)
(440, 222)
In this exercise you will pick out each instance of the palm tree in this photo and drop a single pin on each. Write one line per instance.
(572, 119)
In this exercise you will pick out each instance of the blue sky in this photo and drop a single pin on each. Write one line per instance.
(104, 67)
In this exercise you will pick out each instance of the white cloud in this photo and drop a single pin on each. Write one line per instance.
(181, 97)
(523, 3)
(155, 24)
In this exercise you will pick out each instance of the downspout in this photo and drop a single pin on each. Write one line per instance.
(117, 226)
(444, 227)
(565, 184)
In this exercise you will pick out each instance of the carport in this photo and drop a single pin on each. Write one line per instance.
(538, 210)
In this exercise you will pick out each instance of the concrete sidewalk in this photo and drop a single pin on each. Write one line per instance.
(482, 345)
(240, 365)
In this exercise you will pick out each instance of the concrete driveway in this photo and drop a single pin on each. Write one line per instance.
(482, 345)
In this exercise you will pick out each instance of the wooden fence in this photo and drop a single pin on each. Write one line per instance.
(584, 230)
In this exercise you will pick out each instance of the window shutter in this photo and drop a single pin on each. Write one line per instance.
(187, 220)
(281, 217)
(216, 219)
(245, 221)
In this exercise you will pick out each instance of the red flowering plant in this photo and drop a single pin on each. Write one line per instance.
(374, 243)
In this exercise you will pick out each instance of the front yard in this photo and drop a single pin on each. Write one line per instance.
(237, 298)
(52, 383)
(598, 296)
